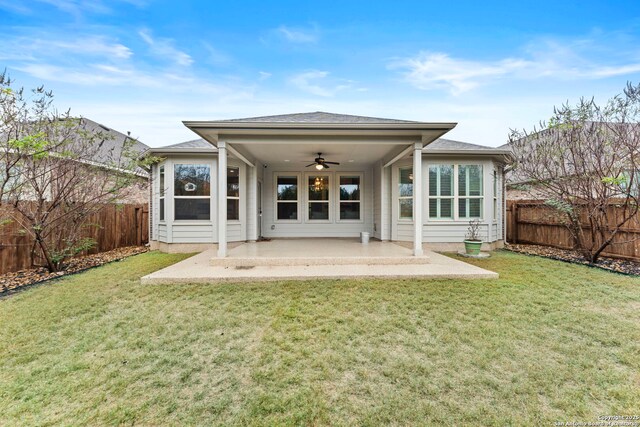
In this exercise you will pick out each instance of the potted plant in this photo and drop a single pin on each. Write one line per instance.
(472, 242)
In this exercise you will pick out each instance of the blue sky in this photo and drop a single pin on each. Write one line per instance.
(144, 66)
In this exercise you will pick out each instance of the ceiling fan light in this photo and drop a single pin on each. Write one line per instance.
(319, 166)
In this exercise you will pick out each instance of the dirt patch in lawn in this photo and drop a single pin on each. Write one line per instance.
(17, 280)
(605, 263)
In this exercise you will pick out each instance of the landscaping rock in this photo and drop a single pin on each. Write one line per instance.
(605, 263)
(11, 282)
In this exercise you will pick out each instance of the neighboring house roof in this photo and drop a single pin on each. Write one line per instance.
(315, 117)
(113, 144)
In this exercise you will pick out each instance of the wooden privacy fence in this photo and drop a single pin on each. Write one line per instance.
(116, 226)
(533, 222)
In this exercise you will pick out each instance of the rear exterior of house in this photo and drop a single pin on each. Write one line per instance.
(276, 177)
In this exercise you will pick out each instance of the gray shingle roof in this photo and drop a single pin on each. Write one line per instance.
(438, 144)
(194, 143)
(450, 144)
(113, 144)
(315, 117)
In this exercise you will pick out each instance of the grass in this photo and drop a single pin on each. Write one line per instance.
(546, 342)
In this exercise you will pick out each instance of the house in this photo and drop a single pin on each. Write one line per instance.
(109, 150)
(312, 175)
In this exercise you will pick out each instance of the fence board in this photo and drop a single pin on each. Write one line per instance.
(116, 226)
(532, 222)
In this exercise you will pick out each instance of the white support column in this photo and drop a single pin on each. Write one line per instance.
(252, 202)
(417, 199)
(385, 210)
(222, 199)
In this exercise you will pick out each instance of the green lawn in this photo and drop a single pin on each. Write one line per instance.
(547, 342)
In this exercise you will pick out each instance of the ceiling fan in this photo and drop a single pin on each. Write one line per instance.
(320, 163)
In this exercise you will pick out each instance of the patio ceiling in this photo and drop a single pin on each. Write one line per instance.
(303, 154)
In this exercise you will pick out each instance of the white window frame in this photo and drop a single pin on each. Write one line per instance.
(174, 197)
(162, 193)
(459, 197)
(298, 200)
(495, 195)
(235, 221)
(400, 198)
(329, 202)
(338, 175)
(452, 197)
(456, 164)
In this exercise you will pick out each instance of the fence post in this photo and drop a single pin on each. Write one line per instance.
(515, 217)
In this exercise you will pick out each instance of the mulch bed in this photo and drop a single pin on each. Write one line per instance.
(605, 263)
(17, 280)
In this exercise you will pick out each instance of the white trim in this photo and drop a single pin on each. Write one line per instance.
(417, 199)
(360, 175)
(413, 194)
(329, 201)
(398, 156)
(222, 199)
(456, 219)
(298, 200)
(238, 197)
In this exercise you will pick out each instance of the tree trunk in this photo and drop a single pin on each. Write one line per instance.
(45, 252)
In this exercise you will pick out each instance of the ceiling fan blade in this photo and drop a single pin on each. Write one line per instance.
(311, 164)
(326, 166)
(332, 163)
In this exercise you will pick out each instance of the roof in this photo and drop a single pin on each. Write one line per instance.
(315, 117)
(443, 144)
(194, 143)
(111, 147)
(439, 145)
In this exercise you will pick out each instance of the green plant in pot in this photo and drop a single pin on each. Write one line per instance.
(473, 242)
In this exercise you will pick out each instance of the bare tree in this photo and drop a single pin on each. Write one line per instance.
(55, 172)
(584, 162)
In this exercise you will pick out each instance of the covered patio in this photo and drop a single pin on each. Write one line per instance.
(292, 259)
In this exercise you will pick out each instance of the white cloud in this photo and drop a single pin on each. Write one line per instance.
(438, 70)
(165, 49)
(308, 82)
(49, 46)
(216, 56)
(298, 35)
(542, 59)
(264, 75)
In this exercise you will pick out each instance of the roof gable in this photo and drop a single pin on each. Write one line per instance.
(315, 117)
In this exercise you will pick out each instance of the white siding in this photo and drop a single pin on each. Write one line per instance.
(193, 233)
(447, 231)
(161, 234)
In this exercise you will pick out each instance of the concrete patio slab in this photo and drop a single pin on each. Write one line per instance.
(310, 252)
(198, 269)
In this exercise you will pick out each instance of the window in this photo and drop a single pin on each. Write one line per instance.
(287, 197)
(162, 191)
(349, 203)
(469, 191)
(495, 195)
(441, 191)
(318, 197)
(405, 193)
(192, 191)
(233, 193)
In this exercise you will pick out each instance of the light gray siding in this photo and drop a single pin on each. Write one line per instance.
(379, 214)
